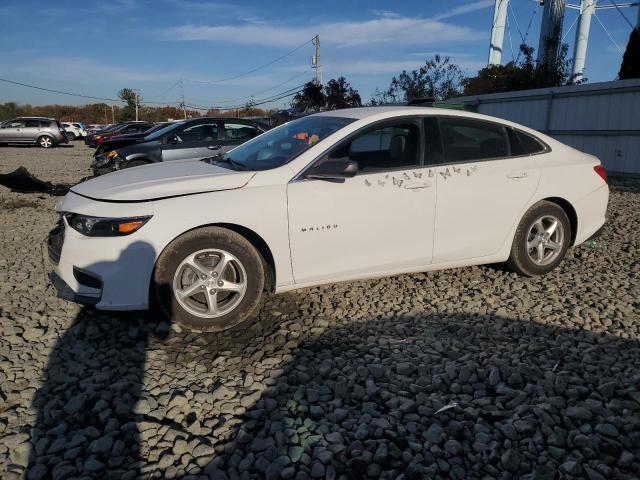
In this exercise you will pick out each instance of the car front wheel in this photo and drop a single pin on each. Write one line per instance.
(209, 279)
(45, 141)
(541, 240)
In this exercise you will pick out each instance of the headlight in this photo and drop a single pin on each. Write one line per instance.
(112, 154)
(104, 226)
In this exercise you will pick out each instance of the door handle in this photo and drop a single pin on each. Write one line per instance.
(517, 175)
(214, 147)
(416, 185)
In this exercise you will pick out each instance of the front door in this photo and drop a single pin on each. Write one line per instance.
(378, 221)
(11, 131)
(193, 141)
(482, 189)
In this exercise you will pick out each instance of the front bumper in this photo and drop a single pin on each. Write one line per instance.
(111, 273)
(101, 164)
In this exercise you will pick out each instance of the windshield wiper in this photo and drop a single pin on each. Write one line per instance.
(218, 159)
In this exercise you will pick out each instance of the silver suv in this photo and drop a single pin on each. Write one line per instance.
(45, 132)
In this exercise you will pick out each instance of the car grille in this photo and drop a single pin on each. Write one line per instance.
(55, 241)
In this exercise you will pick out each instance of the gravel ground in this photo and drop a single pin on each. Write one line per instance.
(467, 373)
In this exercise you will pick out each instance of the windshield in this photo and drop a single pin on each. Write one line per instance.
(282, 144)
(156, 134)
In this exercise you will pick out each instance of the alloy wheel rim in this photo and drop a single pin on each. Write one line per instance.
(545, 240)
(210, 283)
(45, 142)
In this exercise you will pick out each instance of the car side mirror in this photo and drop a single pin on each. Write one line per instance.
(172, 139)
(332, 169)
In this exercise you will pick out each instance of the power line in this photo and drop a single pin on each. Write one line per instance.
(59, 91)
(255, 94)
(220, 80)
(262, 101)
(609, 34)
(167, 90)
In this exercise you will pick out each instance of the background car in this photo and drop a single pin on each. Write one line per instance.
(182, 140)
(44, 132)
(74, 130)
(126, 128)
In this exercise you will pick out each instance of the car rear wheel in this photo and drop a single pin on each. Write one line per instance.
(71, 136)
(541, 240)
(45, 141)
(209, 279)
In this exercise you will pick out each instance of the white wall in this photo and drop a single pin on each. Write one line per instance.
(598, 118)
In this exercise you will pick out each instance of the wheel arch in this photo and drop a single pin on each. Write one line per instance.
(254, 238)
(571, 214)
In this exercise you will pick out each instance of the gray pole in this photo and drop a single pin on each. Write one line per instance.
(316, 60)
(550, 31)
(136, 99)
(497, 31)
(184, 110)
(587, 8)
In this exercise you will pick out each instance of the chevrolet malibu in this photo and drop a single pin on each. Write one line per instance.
(336, 196)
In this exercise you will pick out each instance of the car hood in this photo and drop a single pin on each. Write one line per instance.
(119, 142)
(161, 180)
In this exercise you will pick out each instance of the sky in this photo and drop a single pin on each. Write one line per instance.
(96, 48)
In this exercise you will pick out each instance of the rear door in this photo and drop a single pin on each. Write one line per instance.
(482, 188)
(236, 133)
(194, 140)
(30, 131)
(11, 130)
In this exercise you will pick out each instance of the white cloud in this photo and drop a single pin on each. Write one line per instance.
(395, 30)
(467, 8)
(86, 70)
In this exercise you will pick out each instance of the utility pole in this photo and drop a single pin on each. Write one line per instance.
(184, 110)
(113, 115)
(315, 60)
(587, 9)
(550, 31)
(497, 31)
(105, 115)
(137, 95)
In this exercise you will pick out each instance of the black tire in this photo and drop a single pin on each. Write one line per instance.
(71, 136)
(194, 241)
(45, 141)
(520, 259)
(134, 163)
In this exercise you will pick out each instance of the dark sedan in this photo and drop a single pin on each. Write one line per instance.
(182, 140)
(127, 128)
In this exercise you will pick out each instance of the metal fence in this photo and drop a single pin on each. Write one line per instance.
(602, 119)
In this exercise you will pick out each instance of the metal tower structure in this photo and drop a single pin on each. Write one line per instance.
(497, 31)
(551, 29)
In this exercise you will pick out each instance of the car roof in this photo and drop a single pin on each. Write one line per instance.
(395, 111)
(37, 118)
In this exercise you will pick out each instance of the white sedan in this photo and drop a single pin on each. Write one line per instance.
(336, 196)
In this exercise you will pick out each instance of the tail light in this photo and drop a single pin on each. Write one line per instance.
(600, 170)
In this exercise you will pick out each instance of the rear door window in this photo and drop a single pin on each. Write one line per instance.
(30, 123)
(239, 131)
(530, 144)
(468, 140)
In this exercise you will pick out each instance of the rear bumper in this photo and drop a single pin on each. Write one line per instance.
(591, 211)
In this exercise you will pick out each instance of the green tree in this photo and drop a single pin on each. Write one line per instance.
(438, 78)
(129, 112)
(310, 99)
(523, 74)
(339, 94)
(630, 67)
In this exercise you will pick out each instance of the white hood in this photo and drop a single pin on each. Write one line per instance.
(162, 180)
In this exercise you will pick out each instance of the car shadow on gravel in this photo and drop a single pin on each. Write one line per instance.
(444, 396)
(297, 394)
